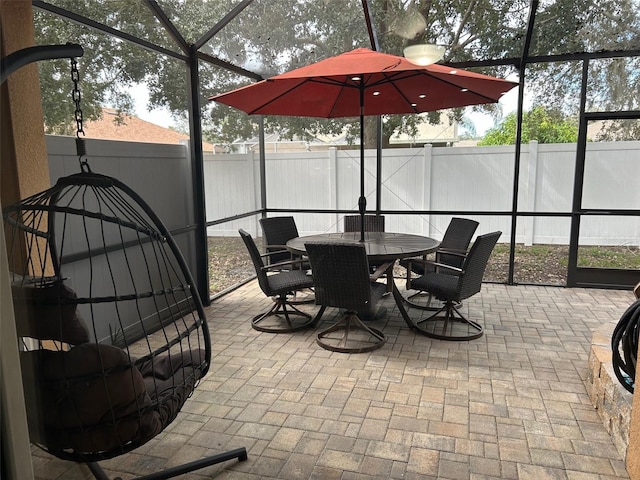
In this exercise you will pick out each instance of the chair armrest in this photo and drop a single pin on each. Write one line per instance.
(451, 251)
(279, 247)
(280, 265)
(422, 261)
(444, 265)
(268, 254)
(380, 271)
(429, 262)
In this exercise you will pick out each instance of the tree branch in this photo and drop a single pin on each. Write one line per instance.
(463, 21)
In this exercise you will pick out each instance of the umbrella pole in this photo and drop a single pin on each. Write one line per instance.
(362, 201)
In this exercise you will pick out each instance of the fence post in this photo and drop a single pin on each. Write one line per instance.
(426, 191)
(255, 193)
(333, 183)
(531, 183)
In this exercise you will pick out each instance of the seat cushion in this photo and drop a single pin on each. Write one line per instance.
(285, 282)
(88, 399)
(442, 286)
(170, 379)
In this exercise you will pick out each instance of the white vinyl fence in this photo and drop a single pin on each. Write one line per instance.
(416, 179)
(443, 178)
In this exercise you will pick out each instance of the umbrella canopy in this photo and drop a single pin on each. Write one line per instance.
(365, 82)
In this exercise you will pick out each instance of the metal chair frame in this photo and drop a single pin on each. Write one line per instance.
(90, 251)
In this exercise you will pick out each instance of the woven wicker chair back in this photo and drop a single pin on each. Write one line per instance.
(278, 231)
(372, 223)
(340, 275)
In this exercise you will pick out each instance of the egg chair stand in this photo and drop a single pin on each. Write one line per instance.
(239, 453)
(113, 335)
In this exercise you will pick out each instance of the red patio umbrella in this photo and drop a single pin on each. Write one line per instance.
(365, 82)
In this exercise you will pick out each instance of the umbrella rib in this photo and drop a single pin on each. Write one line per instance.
(321, 80)
(333, 82)
(392, 78)
(271, 100)
(392, 81)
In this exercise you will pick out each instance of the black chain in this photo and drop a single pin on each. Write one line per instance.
(77, 97)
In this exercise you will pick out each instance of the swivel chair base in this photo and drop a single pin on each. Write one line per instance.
(450, 326)
(283, 317)
(356, 337)
(430, 303)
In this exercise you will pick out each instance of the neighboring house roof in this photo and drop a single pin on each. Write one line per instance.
(445, 132)
(442, 134)
(133, 129)
(275, 143)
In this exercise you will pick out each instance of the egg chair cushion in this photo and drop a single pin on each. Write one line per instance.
(92, 398)
(87, 399)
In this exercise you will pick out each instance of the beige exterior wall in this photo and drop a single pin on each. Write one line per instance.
(23, 171)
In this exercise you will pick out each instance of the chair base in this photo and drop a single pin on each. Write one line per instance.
(239, 453)
(356, 336)
(430, 304)
(450, 326)
(283, 317)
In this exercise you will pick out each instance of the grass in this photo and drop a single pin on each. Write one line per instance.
(229, 262)
(609, 257)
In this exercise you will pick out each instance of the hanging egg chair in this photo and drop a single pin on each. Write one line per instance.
(114, 334)
(114, 338)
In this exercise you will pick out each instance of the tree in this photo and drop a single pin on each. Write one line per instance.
(275, 36)
(107, 68)
(545, 126)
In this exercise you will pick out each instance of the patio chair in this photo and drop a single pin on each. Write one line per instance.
(283, 317)
(342, 280)
(452, 289)
(372, 223)
(277, 231)
(455, 241)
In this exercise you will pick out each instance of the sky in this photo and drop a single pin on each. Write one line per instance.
(509, 103)
(160, 117)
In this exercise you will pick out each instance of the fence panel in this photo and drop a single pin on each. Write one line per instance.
(443, 178)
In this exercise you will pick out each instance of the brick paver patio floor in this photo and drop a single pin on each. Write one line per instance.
(511, 404)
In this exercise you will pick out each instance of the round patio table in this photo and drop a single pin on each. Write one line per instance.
(380, 247)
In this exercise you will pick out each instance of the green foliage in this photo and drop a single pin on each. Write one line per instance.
(545, 126)
(273, 36)
(107, 68)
